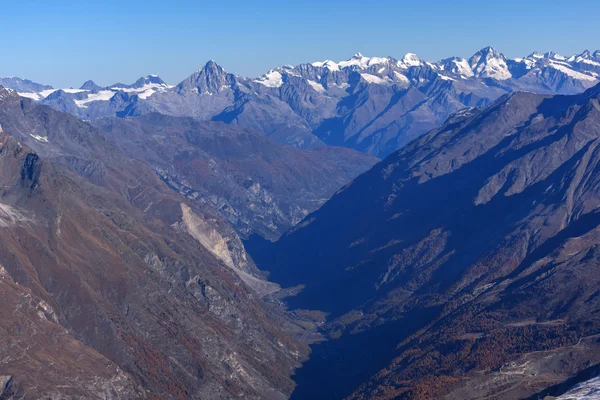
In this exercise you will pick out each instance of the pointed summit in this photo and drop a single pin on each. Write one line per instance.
(91, 86)
(357, 55)
(211, 67)
(489, 63)
(412, 60)
(209, 79)
(489, 51)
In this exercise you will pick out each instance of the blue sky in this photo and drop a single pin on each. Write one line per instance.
(65, 42)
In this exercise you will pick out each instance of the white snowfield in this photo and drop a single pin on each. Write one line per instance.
(271, 79)
(102, 95)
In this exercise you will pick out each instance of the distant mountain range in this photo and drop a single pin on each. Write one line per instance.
(462, 265)
(372, 104)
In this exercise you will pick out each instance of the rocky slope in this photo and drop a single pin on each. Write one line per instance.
(259, 186)
(372, 104)
(113, 285)
(462, 266)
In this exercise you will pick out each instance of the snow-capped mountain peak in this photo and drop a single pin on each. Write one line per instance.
(489, 63)
(357, 61)
(211, 78)
(411, 60)
(554, 56)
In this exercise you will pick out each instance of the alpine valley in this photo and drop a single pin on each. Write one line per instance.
(375, 228)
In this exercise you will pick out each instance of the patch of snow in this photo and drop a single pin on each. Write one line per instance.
(590, 62)
(373, 79)
(315, 85)
(411, 60)
(271, 79)
(103, 95)
(145, 91)
(46, 93)
(362, 62)
(446, 78)
(330, 65)
(39, 138)
(72, 91)
(401, 77)
(341, 86)
(574, 74)
(30, 95)
(492, 67)
(462, 67)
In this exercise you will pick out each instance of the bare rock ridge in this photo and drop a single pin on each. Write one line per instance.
(105, 293)
(463, 265)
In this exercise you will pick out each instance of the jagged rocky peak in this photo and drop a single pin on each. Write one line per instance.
(489, 63)
(211, 78)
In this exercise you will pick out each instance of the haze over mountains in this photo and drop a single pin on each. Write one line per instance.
(431, 229)
(372, 104)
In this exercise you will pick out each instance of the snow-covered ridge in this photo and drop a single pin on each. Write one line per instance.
(578, 71)
(271, 79)
(144, 88)
(487, 63)
(357, 60)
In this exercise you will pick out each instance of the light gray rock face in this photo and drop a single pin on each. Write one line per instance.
(372, 104)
